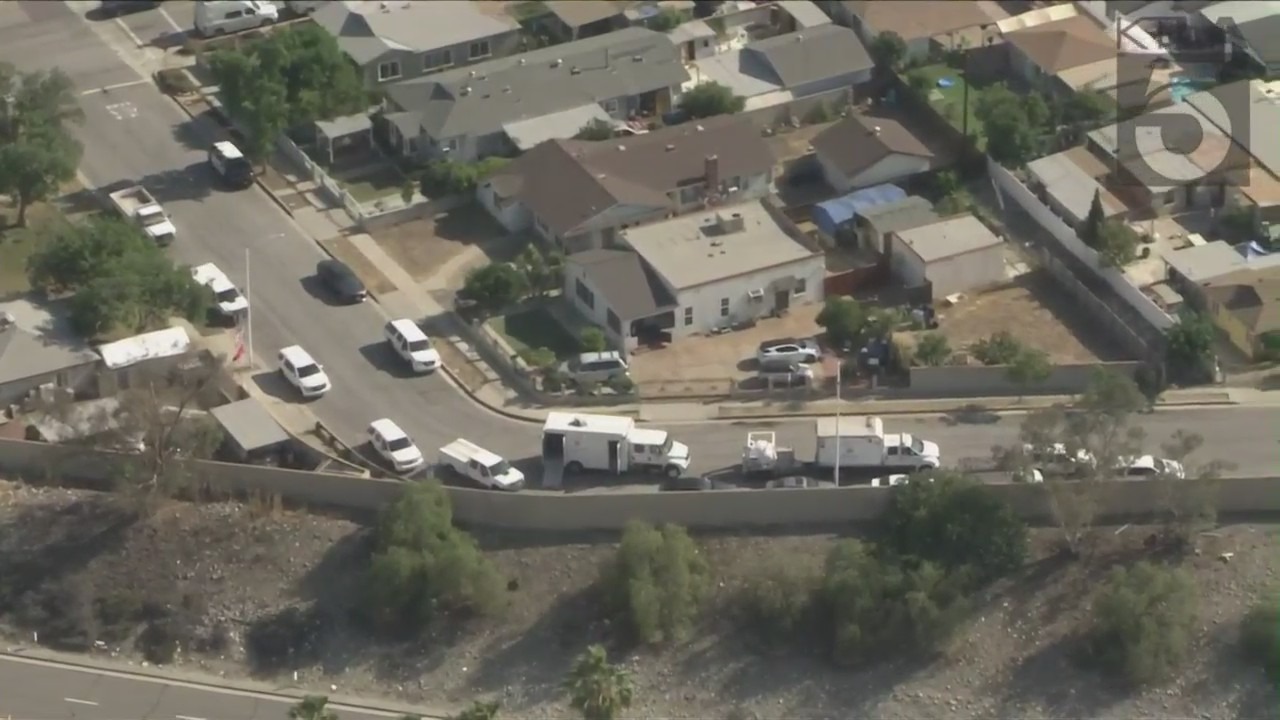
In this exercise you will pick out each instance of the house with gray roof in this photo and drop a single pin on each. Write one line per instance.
(616, 290)
(601, 187)
(394, 40)
(31, 359)
(466, 113)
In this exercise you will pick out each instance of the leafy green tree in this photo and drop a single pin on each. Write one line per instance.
(668, 19)
(1260, 635)
(37, 150)
(479, 710)
(595, 131)
(291, 78)
(711, 98)
(543, 273)
(1144, 618)
(933, 349)
(446, 177)
(657, 582)
(1189, 348)
(422, 566)
(919, 84)
(591, 340)
(1091, 229)
(1029, 367)
(945, 183)
(845, 321)
(1012, 124)
(1116, 243)
(1000, 348)
(598, 689)
(956, 523)
(1086, 109)
(494, 287)
(888, 49)
(312, 707)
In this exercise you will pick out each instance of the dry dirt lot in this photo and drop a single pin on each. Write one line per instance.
(1035, 311)
(244, 565)
(425, 247)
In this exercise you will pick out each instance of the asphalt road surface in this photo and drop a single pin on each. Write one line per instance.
(134, 133)
(38, 690)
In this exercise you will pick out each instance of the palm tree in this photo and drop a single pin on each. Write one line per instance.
(597, 689)
(479, 710)
(312, 707)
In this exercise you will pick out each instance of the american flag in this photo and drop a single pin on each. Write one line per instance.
(240, 346)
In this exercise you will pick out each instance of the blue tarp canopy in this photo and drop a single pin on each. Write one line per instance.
(830, 215)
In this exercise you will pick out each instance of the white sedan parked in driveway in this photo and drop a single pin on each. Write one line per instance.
(394, 445)
(789, 350)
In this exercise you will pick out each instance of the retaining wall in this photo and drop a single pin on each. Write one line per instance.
(555, 512)
(977, 380)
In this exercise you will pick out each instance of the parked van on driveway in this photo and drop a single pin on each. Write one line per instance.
(220, 17)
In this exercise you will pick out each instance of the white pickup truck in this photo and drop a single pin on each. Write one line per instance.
(231, 302)
(479, 465)
(138, 206)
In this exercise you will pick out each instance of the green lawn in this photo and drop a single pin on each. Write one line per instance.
(528, 10)
(949, 101)
(14, 250)
(535, 328)
(375, 185)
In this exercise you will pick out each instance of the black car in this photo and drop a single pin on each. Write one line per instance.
(341, 280)
(692, 484)
(115, 8)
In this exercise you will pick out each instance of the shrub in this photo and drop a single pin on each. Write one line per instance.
(591, 340)
(778, 600)
(1142, 622)
(538, 358)
(1260, 636)
(933, 349)
(622, 385)
(1000, 348)
(446, 177)
(956, 523)
(657, 582)
(493, 287)
(287, 639)
(160, 641)
(175, 81)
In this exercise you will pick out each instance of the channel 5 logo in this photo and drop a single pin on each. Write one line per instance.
(1203, 140)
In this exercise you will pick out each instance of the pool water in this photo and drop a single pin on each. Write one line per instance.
(1181, 86)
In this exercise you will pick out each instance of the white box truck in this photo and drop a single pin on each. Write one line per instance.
(577, 442)
(480, 466)
(859, 441)
(138, 206)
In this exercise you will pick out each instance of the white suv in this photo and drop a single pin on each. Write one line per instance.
(303, 372)
(231, 302)
(394, 445)
(410, 343)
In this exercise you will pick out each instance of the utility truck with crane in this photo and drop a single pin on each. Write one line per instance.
(137, 205)
(573, 443)
(853, 442)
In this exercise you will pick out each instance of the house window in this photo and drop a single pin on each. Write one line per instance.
(724, 307)
(436, 60)
(62, 379)
(388, 71)
(449, 145)
(611, 106)
(614, 323)
(411, 146)
(584, 294)
(802, 286)
(480, 49)
(688, 316)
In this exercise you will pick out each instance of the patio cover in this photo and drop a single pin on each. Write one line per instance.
(525, 134)
(344, 126)
(830, 215)
(250, 426)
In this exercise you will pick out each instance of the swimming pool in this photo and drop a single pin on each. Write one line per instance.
(1180, 86)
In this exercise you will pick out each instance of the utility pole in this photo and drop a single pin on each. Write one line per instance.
(839, 382)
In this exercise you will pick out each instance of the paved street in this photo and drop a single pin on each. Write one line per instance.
(134, 133)
(37, 690)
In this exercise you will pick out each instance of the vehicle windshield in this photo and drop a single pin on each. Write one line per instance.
(665, 448)
(229, 295)
(308, 370)
(399, 444)
(918, 445)
(502, 467)
(419, 345)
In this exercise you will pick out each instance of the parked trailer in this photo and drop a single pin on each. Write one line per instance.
(480, 466)
(763, 456)
(576, 442)
(137, 205)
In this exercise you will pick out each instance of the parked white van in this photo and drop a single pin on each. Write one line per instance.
(410, 343)
(219, 17)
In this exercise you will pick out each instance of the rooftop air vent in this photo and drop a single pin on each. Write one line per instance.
(575, 71)
(637, 58)
(699, 128)
(621, 148)
(384, 7)
(472, 73)
(557, 62)
(578, 422)
(466, 90)
(506, 89)
(522, 61)
(875, 130)
(670, 147)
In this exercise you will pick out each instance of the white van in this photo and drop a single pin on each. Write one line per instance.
(410, 343)
(219, 17)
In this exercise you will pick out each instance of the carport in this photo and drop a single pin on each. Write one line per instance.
(251, 433)
(833, 215)
(350, 135)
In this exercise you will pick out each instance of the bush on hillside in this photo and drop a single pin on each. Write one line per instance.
(657, 582)
(1143, 619)
(777, 601)
(1260, 636)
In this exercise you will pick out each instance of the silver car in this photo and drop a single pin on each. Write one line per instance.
(789, 350)
(595, 367)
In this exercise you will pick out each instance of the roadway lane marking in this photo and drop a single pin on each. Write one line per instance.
(117, 86)
(187, 717)
(132, 35)
(80, 702)
(176, 29)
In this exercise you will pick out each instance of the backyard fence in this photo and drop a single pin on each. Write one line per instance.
(1133, 316)
(335, 192)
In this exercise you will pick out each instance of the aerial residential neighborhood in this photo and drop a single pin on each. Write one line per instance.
(481, 359)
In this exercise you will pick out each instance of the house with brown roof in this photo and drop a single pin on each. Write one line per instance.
(578, 195)
(924, 25)
(870, 149)
(1246, 307)
(1042, 53)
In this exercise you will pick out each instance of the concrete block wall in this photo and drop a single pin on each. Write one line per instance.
(553, 512)
(980, 380)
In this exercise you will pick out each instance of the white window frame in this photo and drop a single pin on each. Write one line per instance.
(445, 57)
(487, 49)
(724, 307)
(386, 76)
(688, 316)
(801, 287)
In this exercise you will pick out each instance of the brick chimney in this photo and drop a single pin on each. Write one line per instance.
(711, 172)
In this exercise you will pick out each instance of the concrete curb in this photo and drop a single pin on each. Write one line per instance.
(211, 683)
(959, 409)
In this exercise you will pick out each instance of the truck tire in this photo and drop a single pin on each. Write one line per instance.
(573, 468)
(672, 471)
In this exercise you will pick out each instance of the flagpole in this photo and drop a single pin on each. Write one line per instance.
(839, 372)
(248, 314)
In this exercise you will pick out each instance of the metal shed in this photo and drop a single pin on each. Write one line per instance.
(250, 430)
